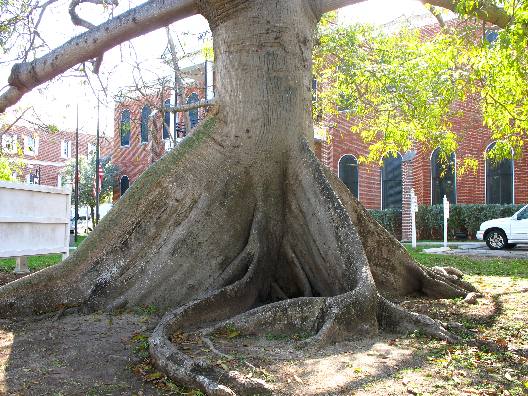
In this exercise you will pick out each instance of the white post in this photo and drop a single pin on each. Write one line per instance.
(21, 266)
(446, 216)
(414, 209)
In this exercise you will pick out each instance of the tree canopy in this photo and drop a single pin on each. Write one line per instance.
(402, 87)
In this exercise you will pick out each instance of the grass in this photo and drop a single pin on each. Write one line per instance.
(471, 265)
(36, 263)
(500, 365)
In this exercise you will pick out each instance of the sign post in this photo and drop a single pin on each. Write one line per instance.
(446, 217)
(414, 209)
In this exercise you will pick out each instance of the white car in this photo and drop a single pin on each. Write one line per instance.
(506, 232)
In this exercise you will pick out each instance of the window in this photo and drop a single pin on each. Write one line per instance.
(9, 143)
(65, 149)
(124, 128)
(314, 90)
(193, 114)
(91, 149)
(145, 114)
(348, 173)
(166, 121)
(443, 180)
(124, 184)
(31, 145)
(391, 182)
(499, 180)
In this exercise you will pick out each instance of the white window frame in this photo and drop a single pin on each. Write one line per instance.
(10, 143)
(91, 149)
(66, 149)
(31, 149)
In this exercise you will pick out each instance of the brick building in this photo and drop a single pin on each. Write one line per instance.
(389, 186)
(43, 154)
(143, 131)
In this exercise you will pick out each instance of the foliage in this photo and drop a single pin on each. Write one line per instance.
(462, 218)
(400, 87)
(87, 177)
(6, 169)
(390, 219)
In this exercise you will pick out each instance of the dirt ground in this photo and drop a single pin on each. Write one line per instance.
(102, 354)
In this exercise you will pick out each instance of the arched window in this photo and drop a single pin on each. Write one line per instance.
(124, 128)
(348, 173)
(193, 114)
(145, 114)
(124, 184)
(443, 181)
(166, 121)
(499, 180)
(391, 182)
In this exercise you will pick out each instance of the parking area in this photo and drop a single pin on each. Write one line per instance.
(478, 249)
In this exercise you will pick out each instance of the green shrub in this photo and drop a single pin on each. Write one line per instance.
(390, 219)
(463, 218)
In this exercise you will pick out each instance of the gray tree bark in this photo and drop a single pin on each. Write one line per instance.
(241, 224)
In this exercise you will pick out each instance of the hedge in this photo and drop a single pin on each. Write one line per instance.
(390, 219)
(463, 219)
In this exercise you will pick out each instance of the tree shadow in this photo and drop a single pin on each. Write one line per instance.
(74, 355)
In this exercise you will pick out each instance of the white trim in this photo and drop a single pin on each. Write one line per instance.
(38, 220)
(38, 162)
(35, 187)
(339, 167)
(431, 177)
(486, 175)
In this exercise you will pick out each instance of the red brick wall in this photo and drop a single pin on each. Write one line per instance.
(135, 158)
(48, 158)
(343, 142)
(473, 139)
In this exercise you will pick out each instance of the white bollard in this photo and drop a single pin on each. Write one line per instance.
(22, 265)
(414, 209)
(446, 217)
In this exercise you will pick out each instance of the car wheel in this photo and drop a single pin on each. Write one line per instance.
(496, 239)
(510, 245)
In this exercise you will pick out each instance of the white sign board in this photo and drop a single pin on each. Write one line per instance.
(34, 220)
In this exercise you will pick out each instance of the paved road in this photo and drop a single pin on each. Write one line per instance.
(478, 249)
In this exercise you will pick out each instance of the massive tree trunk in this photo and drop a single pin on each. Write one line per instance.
(241, 224)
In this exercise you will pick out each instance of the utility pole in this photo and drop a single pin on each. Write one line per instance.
(97, 186)
(76, 174)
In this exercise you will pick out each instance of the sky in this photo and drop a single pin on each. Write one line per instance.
(56, 102)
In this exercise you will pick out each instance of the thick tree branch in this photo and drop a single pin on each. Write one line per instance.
(91, 44)
(330, 5)
(191, 106)
(487, 12)
(78, 21)
(437, 14)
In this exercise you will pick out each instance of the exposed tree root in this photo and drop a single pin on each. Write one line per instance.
(321, 285)
(296, 255)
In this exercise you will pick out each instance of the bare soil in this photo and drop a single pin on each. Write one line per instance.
(102, 354)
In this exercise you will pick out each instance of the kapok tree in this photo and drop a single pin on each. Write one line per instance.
(240, 225)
